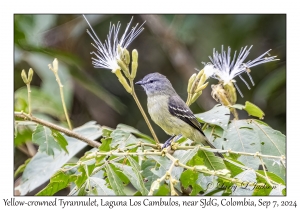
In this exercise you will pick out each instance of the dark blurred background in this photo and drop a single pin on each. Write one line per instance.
(170, 44)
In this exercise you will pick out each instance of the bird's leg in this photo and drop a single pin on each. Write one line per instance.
(169, 141)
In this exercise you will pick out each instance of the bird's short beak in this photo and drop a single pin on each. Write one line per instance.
(139, 82)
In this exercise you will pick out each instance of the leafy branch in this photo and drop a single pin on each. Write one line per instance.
(68, 132)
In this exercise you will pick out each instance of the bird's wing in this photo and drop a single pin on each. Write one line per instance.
(179, 109)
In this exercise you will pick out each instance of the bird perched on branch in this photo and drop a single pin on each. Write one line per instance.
(169, 111)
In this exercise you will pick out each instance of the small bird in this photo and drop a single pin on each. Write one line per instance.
(169, 111)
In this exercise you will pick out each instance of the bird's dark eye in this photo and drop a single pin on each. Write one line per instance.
(151, 81)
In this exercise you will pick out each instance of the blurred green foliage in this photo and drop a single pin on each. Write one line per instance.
(96, 94)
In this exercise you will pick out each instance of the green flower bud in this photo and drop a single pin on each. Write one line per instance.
(30, 74)
(201, 87)
(24, 76)
(134, 63)
(231, 92)
(126, 57)
(191, 82)
(123, 81)
(124, 67)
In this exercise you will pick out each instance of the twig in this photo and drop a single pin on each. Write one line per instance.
(175, 147)
(54, 69)
(58, 128)
(143, 112)
(265, 172)
(129, 153)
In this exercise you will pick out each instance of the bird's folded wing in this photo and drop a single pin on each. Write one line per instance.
(179, 109)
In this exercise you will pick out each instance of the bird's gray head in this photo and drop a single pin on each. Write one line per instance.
(156, 83)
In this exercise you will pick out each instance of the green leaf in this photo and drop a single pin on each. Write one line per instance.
(60, 139)
(22, 167)
(211, 161)
(58, 181)
(164, 165)
(189, 178)
(247, 176)
(42, 167)
(254, 110)
(136, 132)
(133, 176)
(150, 177)
(267, 189)
(122, 139)
(114, 181)
(235, 170)
(219, 115)
(140, 181)
(99, 187)
(272, 142)
(163, 190)
(43, 137)
(183, 157)
(23, 132)
(106, 131)
(241, 137)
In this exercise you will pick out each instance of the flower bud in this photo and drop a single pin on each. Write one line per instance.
(191, 82)
(30, 74)
(123, 81)
(24, 76)
(231, 92)
(201, 87)
(55, 65)
(124, 67)
(126, 57)
(134, 63)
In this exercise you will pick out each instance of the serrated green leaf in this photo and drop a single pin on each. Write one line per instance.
(114, 181)
(137, 171)
(60, 139)
(43, 137)
(211, 161)
(58, 181)
(219, 115)
(254, 110)
(133, 175)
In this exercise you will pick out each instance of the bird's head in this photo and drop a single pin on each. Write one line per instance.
(156, 83)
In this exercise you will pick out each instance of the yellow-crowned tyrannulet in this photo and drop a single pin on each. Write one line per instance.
(169, 111)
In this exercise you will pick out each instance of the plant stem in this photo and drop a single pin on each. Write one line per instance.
(143, 112)
(63, 99)
(58, 128)
(227, 151)
(29, 98)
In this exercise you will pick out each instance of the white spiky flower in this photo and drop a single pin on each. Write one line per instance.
(107, 52)
(224, 69)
